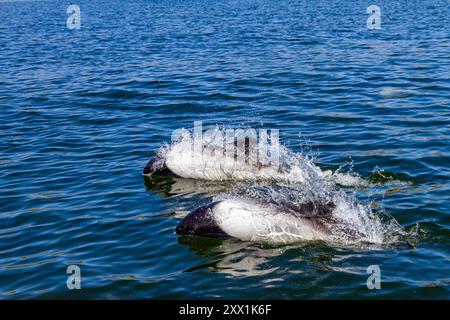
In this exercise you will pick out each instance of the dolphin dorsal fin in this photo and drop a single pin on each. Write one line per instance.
(312, 209)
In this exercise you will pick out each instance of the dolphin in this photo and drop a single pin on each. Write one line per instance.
(255, 220)
(213, 163)
(214, 168)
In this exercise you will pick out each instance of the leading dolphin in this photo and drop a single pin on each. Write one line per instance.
(277, 223)
(255, 220)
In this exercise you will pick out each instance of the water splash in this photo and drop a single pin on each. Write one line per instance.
(292, 167)
(297, 180)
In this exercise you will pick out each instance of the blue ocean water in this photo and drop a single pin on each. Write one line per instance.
(82, 111)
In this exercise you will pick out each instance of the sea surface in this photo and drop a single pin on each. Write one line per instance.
(82, 111)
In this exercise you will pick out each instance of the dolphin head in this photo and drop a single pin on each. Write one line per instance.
(200, 222)
(157, 167)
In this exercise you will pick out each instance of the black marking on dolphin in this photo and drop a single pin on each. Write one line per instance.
(201, 222)
(158, 167)
(310, 209)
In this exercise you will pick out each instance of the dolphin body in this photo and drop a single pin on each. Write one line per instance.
(269, 222)
(212, 168)
(260, 221)
(212, 164)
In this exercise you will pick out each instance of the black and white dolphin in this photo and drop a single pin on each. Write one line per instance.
(260, 221)
(211, 163)
(255, 220)
(176, 164)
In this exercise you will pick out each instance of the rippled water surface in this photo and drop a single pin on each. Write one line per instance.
(82, 111)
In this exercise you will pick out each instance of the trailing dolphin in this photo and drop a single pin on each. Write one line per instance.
(213, 163)
(180, 160)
